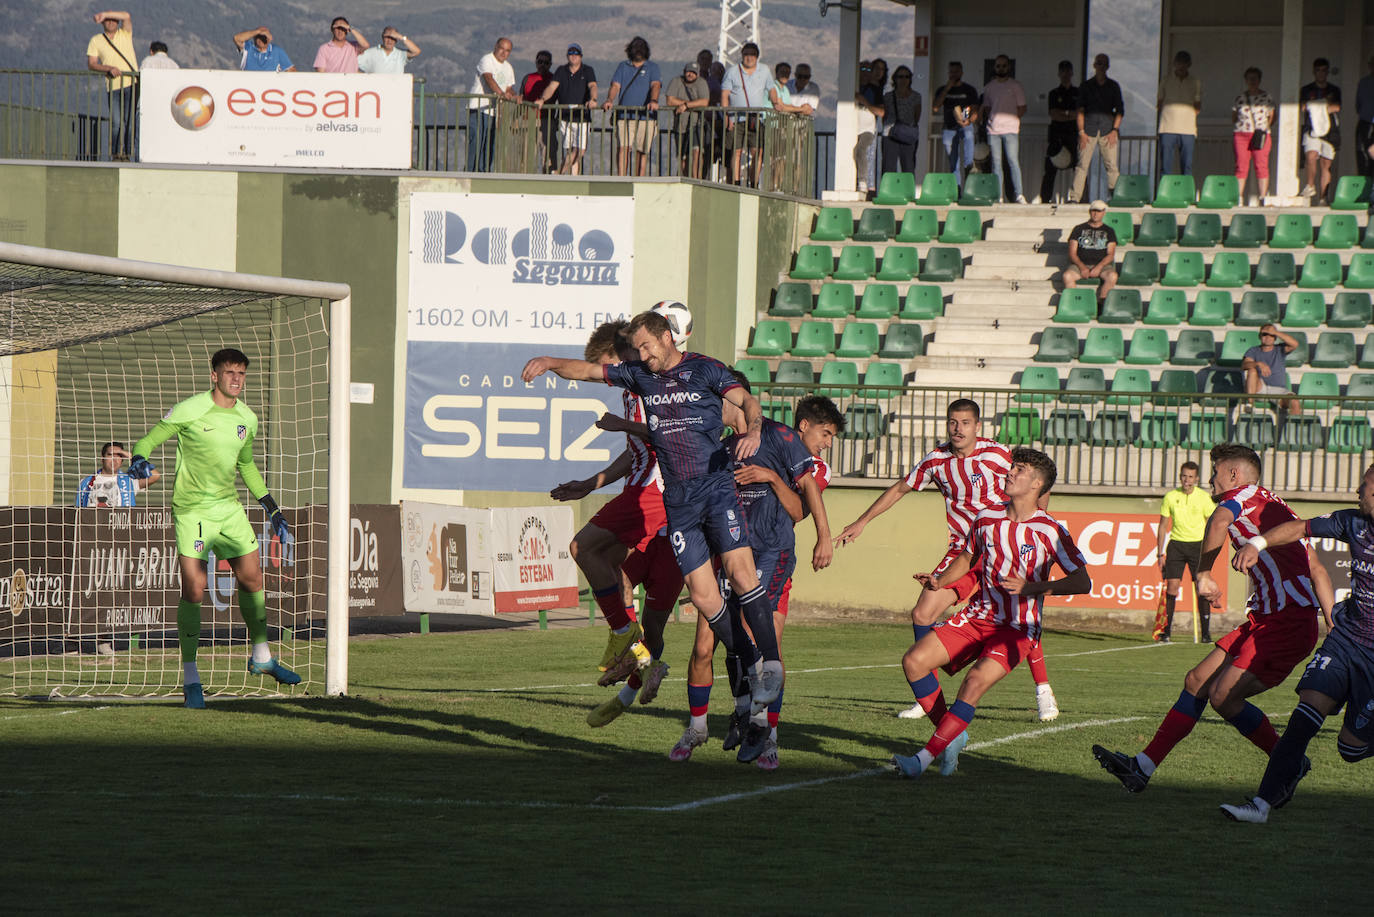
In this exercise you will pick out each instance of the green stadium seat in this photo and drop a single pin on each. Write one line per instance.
(1305, 309)
(778, 411)
(919, 224)
(1111, 427)
(1057, 345)
(943, 265)
(858, 341)
(1258, 307)
(1229, 269)
(857, 262)
(1158, 230)
(896, 188)
(833, 224)
(1255, 431)
(1120, 222)
(814, 262)
(880, 301)
(814, 339)
(1077, 306)
(1131, 191)
(1367, 353)
(1184, 269)
(1158, 430)
(1176, 388)
(962, 227)
(1036, 384)
(1276, 269)
(1222, 382)
(1350, 434)
(938, 189)
(1139, 268)
(838, 372)
(792, 300)
(882, 380)
(1219, 192)
(836, 300)
(1129, 386)
(1084, 379)
(1020, 427)
(981, 189)
(1338, 230)
(1122, 307)
(1102, 345)
(1175, 191)
(1361, 385)
(900, 264)
(1213, 308)
(876, 224)
(1234, 345)
(1300, 353)
(772, 338)
(1247, 230)
(1335, 350)
(1205, 430)
(1301, 433)
(1351, 310)
(1194, 348)
(1065, 427)
(864, 421)
(1203, 230)
(1149, 347)
(1361, 273)
(756, 371)
(794, 379)
(1352, 193)
(1292, 230)
(1317, 390)
(923, 302)
(1321, 271)
(1367, 239)
(1167, 307)
(903, 341)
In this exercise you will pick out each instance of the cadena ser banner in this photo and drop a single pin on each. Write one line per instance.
(534, 567)
(234, 117)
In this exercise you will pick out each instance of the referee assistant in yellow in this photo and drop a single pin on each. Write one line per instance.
(1186, 507)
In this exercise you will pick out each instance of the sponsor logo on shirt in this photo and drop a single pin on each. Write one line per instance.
(672, 398)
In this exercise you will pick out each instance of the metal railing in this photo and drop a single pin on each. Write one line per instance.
(1100, 441)
(65, 115)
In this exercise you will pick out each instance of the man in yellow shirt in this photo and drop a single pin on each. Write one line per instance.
(1187, 507)
(112, 53)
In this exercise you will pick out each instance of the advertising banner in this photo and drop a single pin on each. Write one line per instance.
(374, 561)
(244, 118)
(534, 568)
(446, 555)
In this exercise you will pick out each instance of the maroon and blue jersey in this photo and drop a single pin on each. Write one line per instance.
(1351, 526)
(682, 408)
(780, 451)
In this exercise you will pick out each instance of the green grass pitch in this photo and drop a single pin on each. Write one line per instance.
(459, 776)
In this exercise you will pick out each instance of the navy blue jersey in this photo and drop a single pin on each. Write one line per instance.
(780, 451)
(1356, 530)
(682, 407)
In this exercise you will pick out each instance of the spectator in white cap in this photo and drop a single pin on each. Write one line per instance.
(1092, 252)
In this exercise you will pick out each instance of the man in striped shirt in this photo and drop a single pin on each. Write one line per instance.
(1280, 626)
(1018, 544)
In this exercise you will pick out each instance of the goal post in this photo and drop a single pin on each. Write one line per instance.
(95, 349)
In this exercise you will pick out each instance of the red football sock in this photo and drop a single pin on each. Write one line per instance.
(630, 612)
(1036, 661)
(934, 706)
(948, 730)
(1265, 738)
(1175, 727)
(612, 606)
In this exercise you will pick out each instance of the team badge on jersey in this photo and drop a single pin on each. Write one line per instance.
(1362, 720)
(686, 376)
(199, 545)
(1027, 549)
(242, 431)
(732, 524)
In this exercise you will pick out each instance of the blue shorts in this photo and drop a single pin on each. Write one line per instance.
(705, 519)
(1344, 671)
(775, 569)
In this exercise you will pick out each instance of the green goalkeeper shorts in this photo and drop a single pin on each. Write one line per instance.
(221, 527)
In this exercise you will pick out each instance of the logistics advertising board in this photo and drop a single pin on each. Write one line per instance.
(496, 279)
(244, 118)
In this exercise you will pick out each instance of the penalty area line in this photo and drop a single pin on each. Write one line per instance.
(33, 716)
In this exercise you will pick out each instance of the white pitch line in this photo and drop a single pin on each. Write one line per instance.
(1050, 730)
(33, 716)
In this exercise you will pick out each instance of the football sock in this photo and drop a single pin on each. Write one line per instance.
(1036, 661)
(744, 646)
(919, 630)
(955, 722)
(612, 605)
(627, 694)
(758, 613)
(630, 612)
(1285, 761)
(930, 697)
(698, 697)
(190, 675)
(774, 709)
(188, 629)
(1255, 726)
(1353, 753)
(634, 681)
(253, 610)
(720, 626)
(739, 684)
(1179, 721)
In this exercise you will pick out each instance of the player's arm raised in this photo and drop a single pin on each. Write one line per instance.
(576, 490)
(1212, 543)
(139, 467)
(886, 500)
(748, 442)
(1284, 533)
(573, 370)
(824, 552)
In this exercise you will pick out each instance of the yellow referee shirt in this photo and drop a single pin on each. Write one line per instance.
(1189, 512)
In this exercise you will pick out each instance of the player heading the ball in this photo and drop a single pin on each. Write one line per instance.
(215, 432)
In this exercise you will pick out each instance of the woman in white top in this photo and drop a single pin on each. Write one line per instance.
(1253, 114)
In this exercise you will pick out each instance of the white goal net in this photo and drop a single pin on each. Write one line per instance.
(93, 351)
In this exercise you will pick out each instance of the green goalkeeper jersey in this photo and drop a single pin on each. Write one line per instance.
(214, 444)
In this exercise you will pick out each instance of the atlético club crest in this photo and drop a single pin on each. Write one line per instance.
(199, 545)
(242, 431)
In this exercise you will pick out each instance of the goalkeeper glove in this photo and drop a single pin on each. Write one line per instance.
(275, 517)
(141, 468)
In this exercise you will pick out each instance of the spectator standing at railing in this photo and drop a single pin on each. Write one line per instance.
(157, 58)
(1062, 151)
(748, 85)
(1004, 105)
(389, 58)
(1252, 114)
(635, 86)
(804, 92)
(706, 67)
(1100, 110)
(573, 87)
(957, 102)
(112, 53)
(260, 54)
(686, 95)
(495, 77)
(901, 123)
(340, 53)
(789, 132)
(532, 86)
(1180, 101)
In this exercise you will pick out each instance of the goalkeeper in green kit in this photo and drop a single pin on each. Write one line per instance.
(215, 433)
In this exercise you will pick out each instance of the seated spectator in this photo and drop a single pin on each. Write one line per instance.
(1266, 372)
(109, 486)
(1092, 252)
(259, 53)
(340, 53)
(389, 58)
(157, 58)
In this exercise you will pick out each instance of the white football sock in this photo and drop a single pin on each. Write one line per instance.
(190, 675)
(261, 653)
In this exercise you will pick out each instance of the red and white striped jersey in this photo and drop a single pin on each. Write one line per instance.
(970, 483)
(1282, 579)
(1007, 548)
(644, 463)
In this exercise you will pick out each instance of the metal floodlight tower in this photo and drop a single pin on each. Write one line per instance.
(739, 23)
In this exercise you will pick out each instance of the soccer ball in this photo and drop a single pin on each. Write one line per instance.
(679, 319)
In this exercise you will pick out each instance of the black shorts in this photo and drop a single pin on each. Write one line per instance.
(1343, 670)
(1182, 554)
